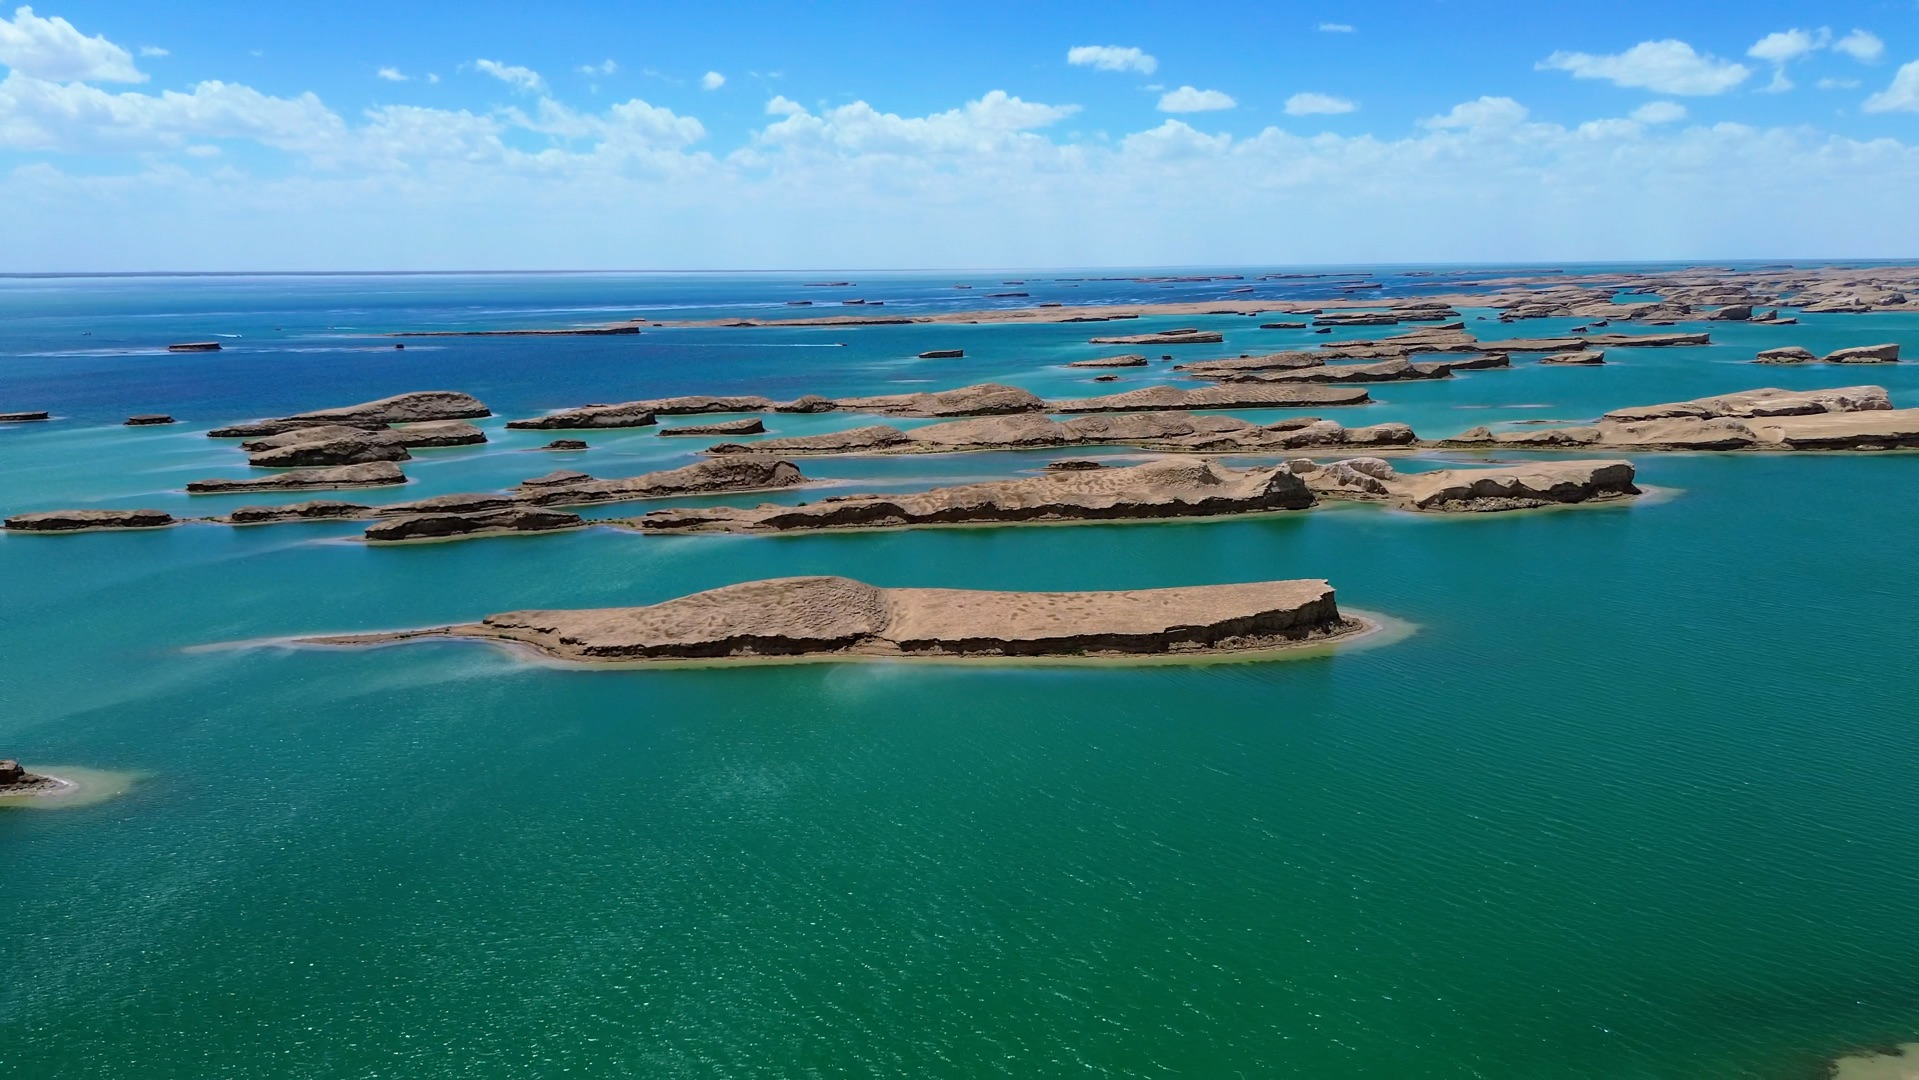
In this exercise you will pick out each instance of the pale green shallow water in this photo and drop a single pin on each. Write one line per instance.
(1635, 801)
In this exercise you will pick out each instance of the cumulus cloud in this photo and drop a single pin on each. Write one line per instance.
(1783, 46)
(1112, 58)
(1901, 96)
(153, 50)
(1311, 104)
(1487, 113)
(390, 74)
(1659, 112)
(996, 121)
(53, 50)
(1862, 45)
(1666, 67)
(712, 80)
(606, 67)
(1335, 28)
(1188, 99)
(520, 78)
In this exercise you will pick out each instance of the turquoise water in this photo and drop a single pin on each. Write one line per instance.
(1634, 801)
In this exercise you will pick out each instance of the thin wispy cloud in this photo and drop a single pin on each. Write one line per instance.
(1660, 112)
(154, 51)
(1666, 67)
(1189, 99)
(606, 68)
(520, 78)
(390, 75)
(1336, 28)
(1112, 58)
(1311, 104)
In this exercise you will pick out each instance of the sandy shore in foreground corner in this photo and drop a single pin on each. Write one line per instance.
(78, 786)
(1902, 1064)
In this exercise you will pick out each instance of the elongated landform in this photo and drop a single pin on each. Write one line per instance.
(1166, 431)
(1171, 489)
(838, 618)
(1844, 418)
(525, 509)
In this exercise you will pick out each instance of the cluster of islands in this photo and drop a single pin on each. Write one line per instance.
(1185, 429)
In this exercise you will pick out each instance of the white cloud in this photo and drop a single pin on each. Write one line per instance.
(1779, 84)
(712, 80)
(606, 67)
(52, 49)
(433, 78)
(1311, 104)
(1901, 96)
(1659, 112)
(1782, 46)
(37, 114)
(1667, 67)
(1334, 28)
(1188, 99)
(995, 122)
(1838, 84)
(1112, 58)
(390, 74)
(520, 78)
(1862, 45)
(153, 50)
(1487, 113)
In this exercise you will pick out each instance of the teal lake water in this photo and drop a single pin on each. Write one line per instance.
(1636, 800)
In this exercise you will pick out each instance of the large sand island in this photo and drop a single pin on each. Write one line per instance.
(838, 618)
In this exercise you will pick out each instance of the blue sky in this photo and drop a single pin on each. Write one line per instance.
(490, 135)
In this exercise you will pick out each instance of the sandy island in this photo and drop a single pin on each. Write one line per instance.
(838, 618)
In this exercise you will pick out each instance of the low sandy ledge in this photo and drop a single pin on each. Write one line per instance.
(1892, 1063)
(983, 399)
(1169, 490)
(1843, 418)
(55, 787)
(838, 618)
(1170, 431)
(420, 406)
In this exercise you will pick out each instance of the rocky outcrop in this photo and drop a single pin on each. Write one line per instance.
(945, 354)
(484, 522)
(194, 346)
(1766, 402)
(588, 417)
(565, 444)
(326, 445)
(148, 420)
(1518, 487)
(986, 399)
(1848, 418)
(1865, 354)
(1788, 354)
(728, 427)
(1160, 489)
(21, 417)
(1578, 359)
(372, 474)
(1125, 361)
(1165, 337)
(318, 510)
(16, 780)
(335, 444)
(1732, 313)
(88, 520)
(1161, 398)
(1279, 361)
(741, 473)
(839, 618)
(1173, 432)
(413, 408)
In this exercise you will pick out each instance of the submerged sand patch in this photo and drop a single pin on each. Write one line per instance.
(77, 786)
